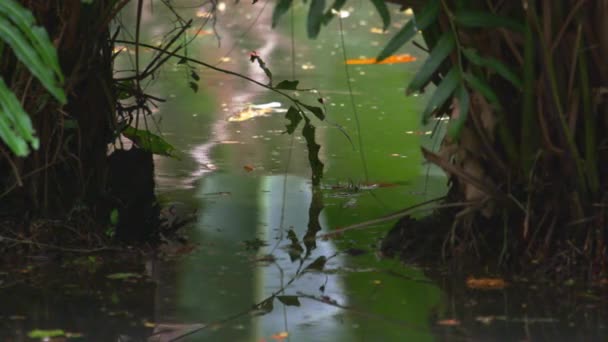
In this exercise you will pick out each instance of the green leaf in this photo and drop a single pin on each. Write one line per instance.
(480, 19)
(313, 153)
(114, 217)
(494, 65)
(123, 275)
(45, 334)
(15, 125)
(32, 46)
(289, 300)
(384, 13)
(194, 76)
(317, 111)
(483, 88)
(317, 265)
(456, 124)
(419, 22)
(442, 49)
(444, 90)
(294, 117)
(287, 85)
(315, 18)
(279, 10)
(150, 142)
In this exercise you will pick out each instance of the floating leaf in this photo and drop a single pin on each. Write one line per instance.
(442, 49)
(248, 168)
(45, 334)
(456, 123)
(313, 153)
(123, 275)
(494, 65)
(317, 265)
(486, 283)
(419, 22)
(294, 117)
(289, 300)
(444, 90)
(315, 18)
(384, 13)
(279, 10)
(287, 85)
(479, 19)
(149, 141)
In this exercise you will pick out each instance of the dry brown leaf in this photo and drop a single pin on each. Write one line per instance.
(248, 168)
(450, 322)
(486, 283)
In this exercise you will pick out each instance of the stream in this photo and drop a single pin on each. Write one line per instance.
(258, 217)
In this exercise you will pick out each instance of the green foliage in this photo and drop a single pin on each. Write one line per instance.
(444, 47)
(315, 18)
(384, 13)
(32, 46)
(150, 142)
(427, 16)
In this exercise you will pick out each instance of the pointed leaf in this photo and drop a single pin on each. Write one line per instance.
(457, 123)
(31, 58)
(279, 10)
(16, 128)
(294, 117)
(289, 300)
(443, 92)
(287, 85)
(195, 76)
(383, 11)
(479, 19)
(442, 49)
(494, 65)
(419, 22)
(315, 18)
(318, 112)
(149, 141)
(483, 88)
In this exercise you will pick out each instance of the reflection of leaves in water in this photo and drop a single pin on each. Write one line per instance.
(264, 307)
(254, 244)
(294, 117)
(313, 153)
(317, 265)
(314, 226)
(295, 250)
(289, 300)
